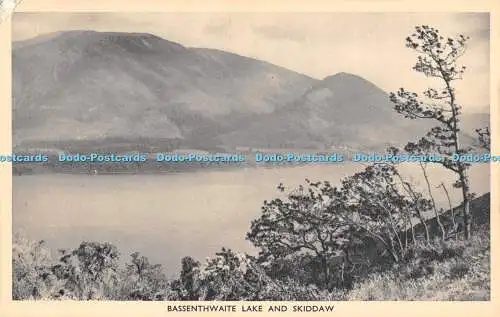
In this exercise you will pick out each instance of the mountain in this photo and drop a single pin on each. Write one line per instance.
(86, 85)
(101, 87)
(343, 110)
(340, 110)
(473, 121)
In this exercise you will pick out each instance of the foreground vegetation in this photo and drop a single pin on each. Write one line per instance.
(455, 270)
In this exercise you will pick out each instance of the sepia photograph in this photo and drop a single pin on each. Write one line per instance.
(251, 156)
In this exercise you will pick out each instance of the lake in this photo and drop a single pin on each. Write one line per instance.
(168, 216)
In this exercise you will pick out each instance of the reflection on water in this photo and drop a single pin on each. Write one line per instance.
(166, 217)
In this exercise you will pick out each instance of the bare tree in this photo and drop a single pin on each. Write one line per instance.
(438, 59)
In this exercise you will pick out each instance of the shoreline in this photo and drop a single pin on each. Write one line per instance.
(169, 169)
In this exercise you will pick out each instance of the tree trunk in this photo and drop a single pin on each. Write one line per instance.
(413, 237)
(406, 233)
(326, 271)
(411, 192)
(466, 209)
(452, 211)
(419, 212)
(438, 218)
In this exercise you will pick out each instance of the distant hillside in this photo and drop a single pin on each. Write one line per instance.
(341, 110)
(451, 270)
(80, 86)
(84, 85)
(480, 208)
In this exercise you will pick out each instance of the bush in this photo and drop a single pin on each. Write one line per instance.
(32, 277)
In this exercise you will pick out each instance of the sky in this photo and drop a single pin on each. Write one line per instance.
(371, 45)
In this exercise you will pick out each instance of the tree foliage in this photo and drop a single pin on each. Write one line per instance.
(143, 280)
(438, 58)
(31, 274)
(378, 206)
(301, 224)
(89, 271)
(327, 226)
(236, 276)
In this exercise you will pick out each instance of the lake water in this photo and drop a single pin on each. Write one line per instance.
(168, 216)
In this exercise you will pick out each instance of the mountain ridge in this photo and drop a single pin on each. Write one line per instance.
(95, 85)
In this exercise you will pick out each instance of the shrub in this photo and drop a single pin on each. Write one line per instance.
(31, 274)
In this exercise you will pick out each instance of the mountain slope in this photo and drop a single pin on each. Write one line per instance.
(341, 110)
(84, 84)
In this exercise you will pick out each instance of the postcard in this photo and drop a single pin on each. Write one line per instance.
(217, 157)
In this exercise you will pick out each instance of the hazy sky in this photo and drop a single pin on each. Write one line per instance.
(316, 44)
